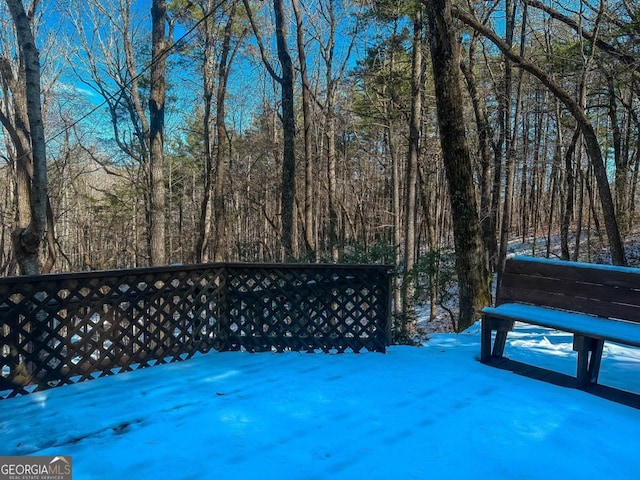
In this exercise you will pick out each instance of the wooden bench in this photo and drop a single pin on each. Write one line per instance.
(594, 302)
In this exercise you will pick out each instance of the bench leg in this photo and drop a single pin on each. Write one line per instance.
(485, 341)
(499, 343)
(502, 328)
(589, 359)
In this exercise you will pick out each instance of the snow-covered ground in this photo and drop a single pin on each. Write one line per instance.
(431, 412)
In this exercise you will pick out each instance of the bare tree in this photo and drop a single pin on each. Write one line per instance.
(286, 81)
(26, 241)
(216, 54)
(413, 154)
(159, 50)
(308, 223)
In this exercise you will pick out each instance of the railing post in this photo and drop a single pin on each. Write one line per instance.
(221, 319)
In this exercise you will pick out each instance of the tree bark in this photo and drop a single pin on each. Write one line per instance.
(487, 219)
(156, 133)
(471, 265)
(205, 229)
(219, 226)
(408, 314)
(428, 207)
(26, 241)
(288, 131)
(17, 128)
(309, 231)
(389, 134)
(621, 161)
(332, 179)
(568, 206)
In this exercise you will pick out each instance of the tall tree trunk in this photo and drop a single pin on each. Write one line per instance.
(205, 230)
(430, 214)
(621, 161)
(510, 131)
(156, 133)
(487, 218)
(288, 131)
(415, 118)
(285, 80)
(395, 209)
(580, 210)
(332, 156)
(540, 130)
(471, 264)
(332, 179)
(554, 183)
(17, 128)
(335, 66)
(18, 133)
(568, 207)
(26, 241)
(309, 234)
(635, 175)
(219, 230)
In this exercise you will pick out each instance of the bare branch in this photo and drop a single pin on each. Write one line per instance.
(263, 52)
(592, 37)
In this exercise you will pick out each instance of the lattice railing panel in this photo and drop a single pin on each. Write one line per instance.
(62, 329)
(326, 308)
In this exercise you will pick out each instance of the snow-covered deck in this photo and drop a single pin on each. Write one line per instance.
(430, 412)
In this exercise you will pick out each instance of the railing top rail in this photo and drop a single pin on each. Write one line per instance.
(188, 267)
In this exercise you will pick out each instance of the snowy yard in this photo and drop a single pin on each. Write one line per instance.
(414, 413)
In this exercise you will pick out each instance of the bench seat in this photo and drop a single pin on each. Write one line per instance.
(618, 331)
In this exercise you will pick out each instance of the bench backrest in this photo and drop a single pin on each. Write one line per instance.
(602, 290)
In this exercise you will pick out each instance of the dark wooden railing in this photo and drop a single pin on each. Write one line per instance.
(67, 328)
